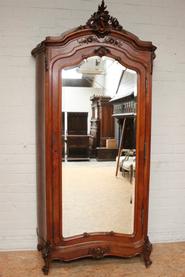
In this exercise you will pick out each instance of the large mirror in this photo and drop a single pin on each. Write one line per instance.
(99, 98)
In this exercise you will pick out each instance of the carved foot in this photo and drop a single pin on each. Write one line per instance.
(45, 254)
(39, 247)
(45, 269)
(146, 252)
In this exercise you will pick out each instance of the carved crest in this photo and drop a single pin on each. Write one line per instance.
(102, 23)
(99, 252)
(102, 51)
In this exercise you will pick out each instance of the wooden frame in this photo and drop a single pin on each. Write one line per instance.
(101, 36)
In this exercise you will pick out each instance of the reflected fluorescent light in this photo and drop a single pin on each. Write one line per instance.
(71, 74)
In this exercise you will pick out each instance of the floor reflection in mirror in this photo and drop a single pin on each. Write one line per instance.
(101, 201)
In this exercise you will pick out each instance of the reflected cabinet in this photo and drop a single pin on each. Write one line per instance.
(93, 114)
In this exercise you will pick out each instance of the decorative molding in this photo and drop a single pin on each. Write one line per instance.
(102, 51)
(147, 249)
(99, 252)
(108, 40)
(102, 23)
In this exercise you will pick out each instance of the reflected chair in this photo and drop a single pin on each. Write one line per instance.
(127, 163)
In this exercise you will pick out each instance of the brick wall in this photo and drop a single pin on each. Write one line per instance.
(23, 24)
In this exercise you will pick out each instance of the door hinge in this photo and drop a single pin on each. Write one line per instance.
(145, 151)
(146, 85)
(142, 218)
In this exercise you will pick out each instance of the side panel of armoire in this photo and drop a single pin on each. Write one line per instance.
(41, 148)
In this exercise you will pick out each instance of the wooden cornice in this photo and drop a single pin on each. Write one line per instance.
(101, 25)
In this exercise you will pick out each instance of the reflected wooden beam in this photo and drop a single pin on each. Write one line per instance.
(120, 80)
(120, 144)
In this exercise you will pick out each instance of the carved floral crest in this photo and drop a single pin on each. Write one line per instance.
(102, 23)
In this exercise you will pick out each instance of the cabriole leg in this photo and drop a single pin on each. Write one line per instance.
(45, 268)
(146, 252)
(45, 254)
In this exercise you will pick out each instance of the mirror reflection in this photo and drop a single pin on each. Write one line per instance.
(98, 114)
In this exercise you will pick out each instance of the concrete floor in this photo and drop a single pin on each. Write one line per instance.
(168, 261)
(93, 187)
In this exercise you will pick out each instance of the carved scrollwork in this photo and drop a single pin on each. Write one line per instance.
(88, 40)
(146, 252)
(102, 51)
(99, 252)
(101, 22)
(113, 41)
(108, 40)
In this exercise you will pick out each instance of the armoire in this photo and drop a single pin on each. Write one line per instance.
(101, 36)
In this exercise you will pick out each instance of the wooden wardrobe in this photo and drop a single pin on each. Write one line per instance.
(101, 36)
(102, 122)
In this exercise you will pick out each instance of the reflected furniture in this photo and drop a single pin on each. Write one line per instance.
(77, 123)
(77, 147)
(106, 154)
(101, 36)
(128, 164)
(102, 122)
(77, 139)
(125, 107)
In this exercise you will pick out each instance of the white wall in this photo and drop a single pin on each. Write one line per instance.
(23, 24)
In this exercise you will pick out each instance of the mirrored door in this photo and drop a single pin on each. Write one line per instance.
(99, 99)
